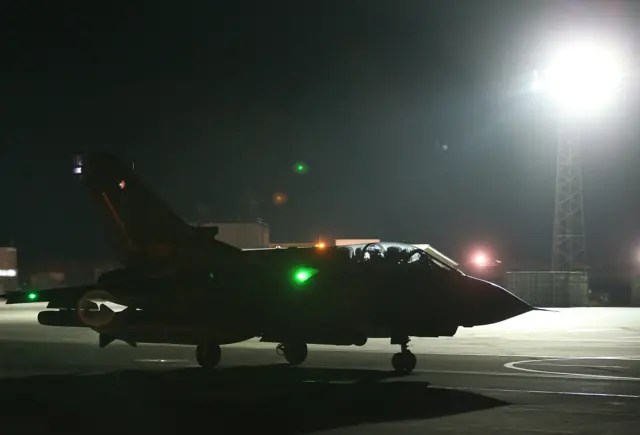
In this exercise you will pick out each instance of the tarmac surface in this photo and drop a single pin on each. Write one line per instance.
(574, 371)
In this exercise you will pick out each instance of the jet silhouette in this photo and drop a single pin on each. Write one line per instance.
(180, 285)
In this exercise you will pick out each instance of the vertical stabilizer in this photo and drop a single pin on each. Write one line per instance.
(142, 229)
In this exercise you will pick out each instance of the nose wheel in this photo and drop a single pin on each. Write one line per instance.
(208, 355)
(405, 361)
(294, 353)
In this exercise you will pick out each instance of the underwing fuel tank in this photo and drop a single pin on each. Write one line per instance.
(78, 318)
(91, 311)
(67, 318)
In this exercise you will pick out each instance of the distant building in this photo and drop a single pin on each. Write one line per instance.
(67, 272)
(44, 280)
(293, 244)
(8, 269)
(344, 242)
(322, 243)
(243, 235)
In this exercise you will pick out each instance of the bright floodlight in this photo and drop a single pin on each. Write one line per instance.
(480, 259)
(582, 77)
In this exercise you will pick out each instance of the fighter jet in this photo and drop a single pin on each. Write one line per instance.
(180, 285)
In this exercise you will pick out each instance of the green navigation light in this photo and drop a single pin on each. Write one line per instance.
(32, 296)
(302, 274)
(300, 168)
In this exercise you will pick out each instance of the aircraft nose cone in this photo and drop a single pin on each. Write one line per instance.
(489, 303)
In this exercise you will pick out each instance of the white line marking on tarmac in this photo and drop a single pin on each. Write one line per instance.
(466, 372)
(621, 358)
(566, 393)
(161, 361)
(543, 363)
(593, 330)
(514, 366)
(560, 340)
(476, 373)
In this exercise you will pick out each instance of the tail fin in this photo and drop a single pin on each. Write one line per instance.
(142, 229)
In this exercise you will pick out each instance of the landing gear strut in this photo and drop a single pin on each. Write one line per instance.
(404, 361)
(208, 355)
(294, 353)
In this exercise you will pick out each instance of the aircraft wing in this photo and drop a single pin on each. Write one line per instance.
(68, 297)
(58, 294)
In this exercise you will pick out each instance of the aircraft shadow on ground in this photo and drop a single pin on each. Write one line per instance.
(233, 400)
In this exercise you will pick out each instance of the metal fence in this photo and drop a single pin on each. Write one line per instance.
(550, 289)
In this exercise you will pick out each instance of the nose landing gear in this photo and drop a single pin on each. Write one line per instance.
(404, 361)
(294, 353)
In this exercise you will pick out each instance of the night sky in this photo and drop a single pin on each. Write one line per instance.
(215, 101)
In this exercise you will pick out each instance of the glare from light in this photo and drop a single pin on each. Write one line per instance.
(536, 83)
(8, 273)
(77, 170)
(279, 198)
(320, 245)
(582, 77)
(480, 259)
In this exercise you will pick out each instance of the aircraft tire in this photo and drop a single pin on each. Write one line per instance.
(208, 355)
(404, 362)
(295, 353)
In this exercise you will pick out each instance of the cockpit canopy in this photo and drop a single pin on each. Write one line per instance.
(393, 253)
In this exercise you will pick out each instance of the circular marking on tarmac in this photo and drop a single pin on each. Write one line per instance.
(515, 365)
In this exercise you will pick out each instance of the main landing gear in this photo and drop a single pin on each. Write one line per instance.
(404, 361)
(208, 355)
(294, 353)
